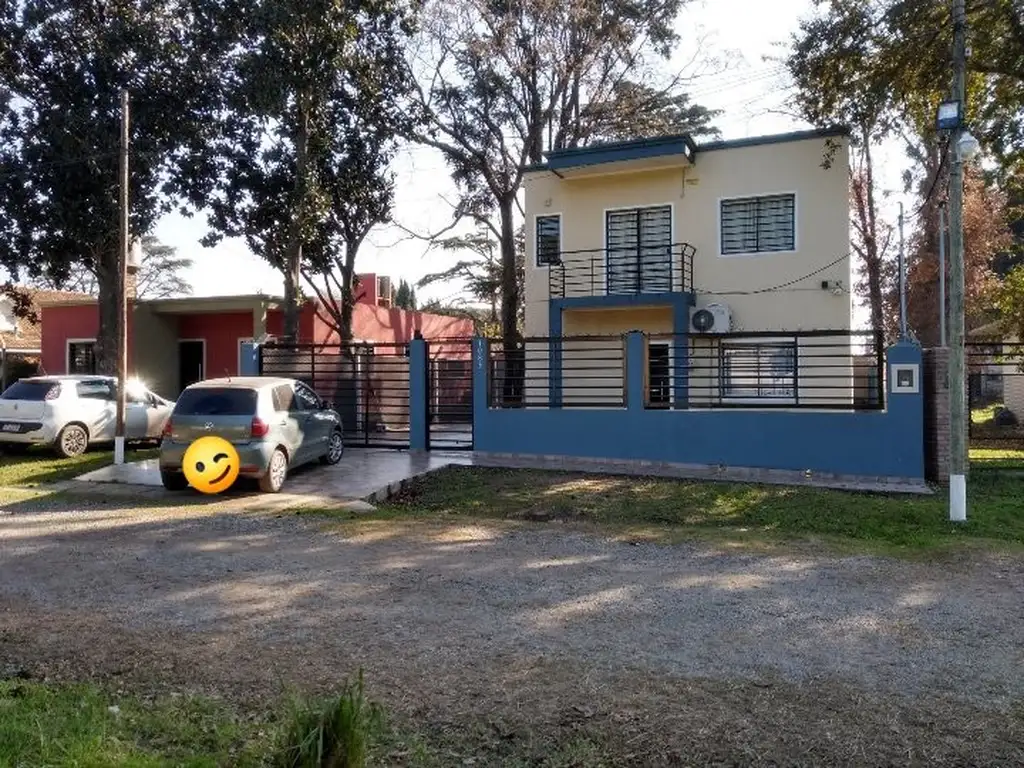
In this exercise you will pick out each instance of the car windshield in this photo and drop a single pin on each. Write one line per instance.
(211, 401)
(31, 390)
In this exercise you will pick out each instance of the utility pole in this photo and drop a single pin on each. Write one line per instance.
(122, 286)
(903, 283)
(957, 386)
(942, 273)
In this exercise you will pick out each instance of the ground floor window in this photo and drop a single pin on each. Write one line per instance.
(762, 370)
(659, 377)
(82, 357)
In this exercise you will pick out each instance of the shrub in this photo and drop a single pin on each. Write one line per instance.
(332, 734)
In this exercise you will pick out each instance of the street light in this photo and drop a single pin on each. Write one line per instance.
(967, 146)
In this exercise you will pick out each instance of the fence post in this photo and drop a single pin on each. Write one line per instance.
(419, 439)
(635, 373)
(481, 384)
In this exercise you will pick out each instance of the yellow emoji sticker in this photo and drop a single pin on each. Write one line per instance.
(211, 464)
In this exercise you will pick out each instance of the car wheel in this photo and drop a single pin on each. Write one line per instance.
(72, 441)
(277, 471)
(335, 449)
(173, 481)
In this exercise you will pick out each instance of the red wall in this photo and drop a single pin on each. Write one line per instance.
(389, 324)
(61, 323)
(221, 331)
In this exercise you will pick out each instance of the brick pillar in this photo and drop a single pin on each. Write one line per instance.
(936, 414)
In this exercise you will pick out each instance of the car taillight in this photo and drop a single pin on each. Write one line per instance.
(259, 427)
(167, 429)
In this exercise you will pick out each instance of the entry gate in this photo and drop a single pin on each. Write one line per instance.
(450, 394)
(368, 385)
(995, 396)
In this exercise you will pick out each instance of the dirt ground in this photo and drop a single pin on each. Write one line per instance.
(528, 633)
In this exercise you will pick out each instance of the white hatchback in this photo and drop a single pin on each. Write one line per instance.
(70, 413)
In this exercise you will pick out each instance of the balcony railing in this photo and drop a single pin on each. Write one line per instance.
(622, 271)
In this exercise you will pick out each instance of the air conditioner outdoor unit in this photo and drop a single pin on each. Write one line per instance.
(714, 318)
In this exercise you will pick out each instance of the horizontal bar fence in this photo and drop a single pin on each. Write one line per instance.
(579, 372)
(622, 271)
(995, 395)
(766, 369)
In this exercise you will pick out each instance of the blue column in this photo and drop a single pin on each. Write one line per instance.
(905, 411)
(636, 362)
(419, 439)
(481, 384)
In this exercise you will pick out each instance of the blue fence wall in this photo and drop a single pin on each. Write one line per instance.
(885, 443)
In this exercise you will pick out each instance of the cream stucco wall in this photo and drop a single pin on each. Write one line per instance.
(822, 230)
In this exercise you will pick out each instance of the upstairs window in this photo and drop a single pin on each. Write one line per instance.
(549, 240)
(758, 224)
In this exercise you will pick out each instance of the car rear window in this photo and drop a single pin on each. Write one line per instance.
(31, 390)
(212, 401)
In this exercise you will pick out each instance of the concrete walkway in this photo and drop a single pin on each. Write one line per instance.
(373, 475)
(364, 474)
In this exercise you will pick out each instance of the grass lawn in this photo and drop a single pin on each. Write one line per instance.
(38, 466)
(78, 725)
(673, 510)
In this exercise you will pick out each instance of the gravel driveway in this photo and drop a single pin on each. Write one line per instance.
(688, 646)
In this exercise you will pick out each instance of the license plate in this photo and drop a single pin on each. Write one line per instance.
(12, 428)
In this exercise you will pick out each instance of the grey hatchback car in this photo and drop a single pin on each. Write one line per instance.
(275, 424)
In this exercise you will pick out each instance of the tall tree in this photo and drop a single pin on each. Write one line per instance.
(63, 65)
(312, 111)
(159, 277)
(503, 82)
(405, 296)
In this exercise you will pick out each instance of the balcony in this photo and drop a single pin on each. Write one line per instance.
(622, 271)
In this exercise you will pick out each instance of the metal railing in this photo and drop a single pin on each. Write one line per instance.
(840, 370)
(622, 271)
(995, 395)
(575, 372)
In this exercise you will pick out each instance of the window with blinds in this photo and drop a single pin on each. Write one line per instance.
(639, 248)
(759, 224)
(759, 370)
(549, 240)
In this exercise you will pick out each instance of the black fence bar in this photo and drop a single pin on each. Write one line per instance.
(570, 372)
(995, 396)
(622, 271)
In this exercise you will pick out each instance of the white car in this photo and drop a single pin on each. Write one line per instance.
(70, 413)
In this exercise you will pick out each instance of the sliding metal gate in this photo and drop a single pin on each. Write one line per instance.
(368, 385)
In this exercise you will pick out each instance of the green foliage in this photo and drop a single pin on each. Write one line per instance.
(63, 65)
(405, 296)
(79, 725)
(312, 114)
(334, 734)
(1010, 302)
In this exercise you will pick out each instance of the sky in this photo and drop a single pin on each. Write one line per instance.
(750, 90)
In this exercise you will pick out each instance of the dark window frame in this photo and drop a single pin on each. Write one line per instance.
(90, 368)
(659, 394)
(789, 246)
(641, 279)
(765, 383)
(544, 254)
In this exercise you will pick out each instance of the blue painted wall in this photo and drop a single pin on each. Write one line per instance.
(249, 360)
(876, 443)
(418, 435)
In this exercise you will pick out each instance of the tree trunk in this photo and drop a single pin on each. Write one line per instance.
(347, 294)
(293, 257)
(106, 301)
(515, 364)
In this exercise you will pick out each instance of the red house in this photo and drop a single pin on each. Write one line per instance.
(175, 342)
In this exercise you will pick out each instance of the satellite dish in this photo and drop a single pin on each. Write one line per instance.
(703, 320)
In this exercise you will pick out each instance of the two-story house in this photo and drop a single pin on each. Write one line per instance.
(733, 256)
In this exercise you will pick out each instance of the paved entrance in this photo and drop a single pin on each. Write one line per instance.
(363, 473)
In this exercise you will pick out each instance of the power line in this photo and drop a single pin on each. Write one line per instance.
(780, 286)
